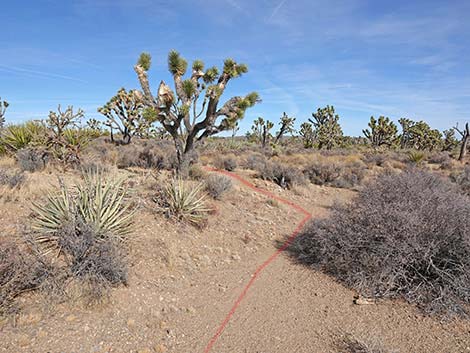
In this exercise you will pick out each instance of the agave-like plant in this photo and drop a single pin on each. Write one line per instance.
(186, 203)
(16, 137)
(416, 157)
(97, 203)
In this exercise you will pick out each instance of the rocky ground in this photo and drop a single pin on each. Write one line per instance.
(184, 281)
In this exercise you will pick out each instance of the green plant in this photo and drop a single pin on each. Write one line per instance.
(307, 134)
(17, 137)
(179, 112)
(328, 132)
(3, 107)
(382, 132)
(416, 157)
(97, 203)
(185, 202)
(419, 135)
(125, 113)
(287, 126)
(260, 131)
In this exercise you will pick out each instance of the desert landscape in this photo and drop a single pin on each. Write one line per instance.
(174, 217)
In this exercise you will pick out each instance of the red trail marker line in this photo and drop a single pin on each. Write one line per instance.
(255, 275)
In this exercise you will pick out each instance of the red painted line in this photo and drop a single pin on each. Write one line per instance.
(255, 275)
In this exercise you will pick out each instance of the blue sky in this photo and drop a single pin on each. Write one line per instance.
(394, 58)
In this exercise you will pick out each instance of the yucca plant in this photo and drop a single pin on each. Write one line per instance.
(99, 204)
(416, 157)
(20, 136)
(185, 202)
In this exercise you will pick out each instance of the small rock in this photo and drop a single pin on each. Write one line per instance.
(71, 318)
(144, 350)
(131, 323)
(23, 340)
(160, 348)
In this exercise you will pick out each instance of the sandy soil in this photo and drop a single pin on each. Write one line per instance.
(184, 281)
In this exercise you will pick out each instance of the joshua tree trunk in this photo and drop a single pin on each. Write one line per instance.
(464, 142)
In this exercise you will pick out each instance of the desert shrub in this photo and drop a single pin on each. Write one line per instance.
(254, 161)
(217, 185)
(32, 159)
(96, 262)
(20, 271)
(184, 202)
(196, 172)
(404, 235)
(227, 163)
(377, 159)
(11, 180)
(283, 175)
(439, 158)
(97, 203)
(462, 179)
(335, 174)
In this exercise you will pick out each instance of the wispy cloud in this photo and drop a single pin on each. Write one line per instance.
(276, 9)
(37, 73)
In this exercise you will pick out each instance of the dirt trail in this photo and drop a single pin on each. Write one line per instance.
(184, 283)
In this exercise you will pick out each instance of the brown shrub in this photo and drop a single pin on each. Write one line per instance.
(404, 235)
(462, 179)
(20, 271)
(335, 174)
(11, 180)
(217, 185)
(283, 175)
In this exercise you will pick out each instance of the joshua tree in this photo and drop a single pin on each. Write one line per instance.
(327, 129)
(287, 126)
(59, 121)
(125, 113)
(465, 133)
(3, 107)
(64, 140)
(186, 120)
(382, 132)
(449, 141)
(419, 135)
(307, 134)
(260, 131)
(94, 125)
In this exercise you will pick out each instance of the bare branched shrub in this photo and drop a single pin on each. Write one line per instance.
(335, 174)
(439, 158)
(96, 262)
(228, 163)
(462, 179)
(20, 272)
(196, 172)
(404, 235)
(377, 159)
(217, 185)
(283, 175)
(11, 180)
(32, 159)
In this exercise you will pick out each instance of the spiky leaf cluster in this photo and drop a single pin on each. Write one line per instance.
(145, 61)
(97, 203)
(3, 107)
(177, 65)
